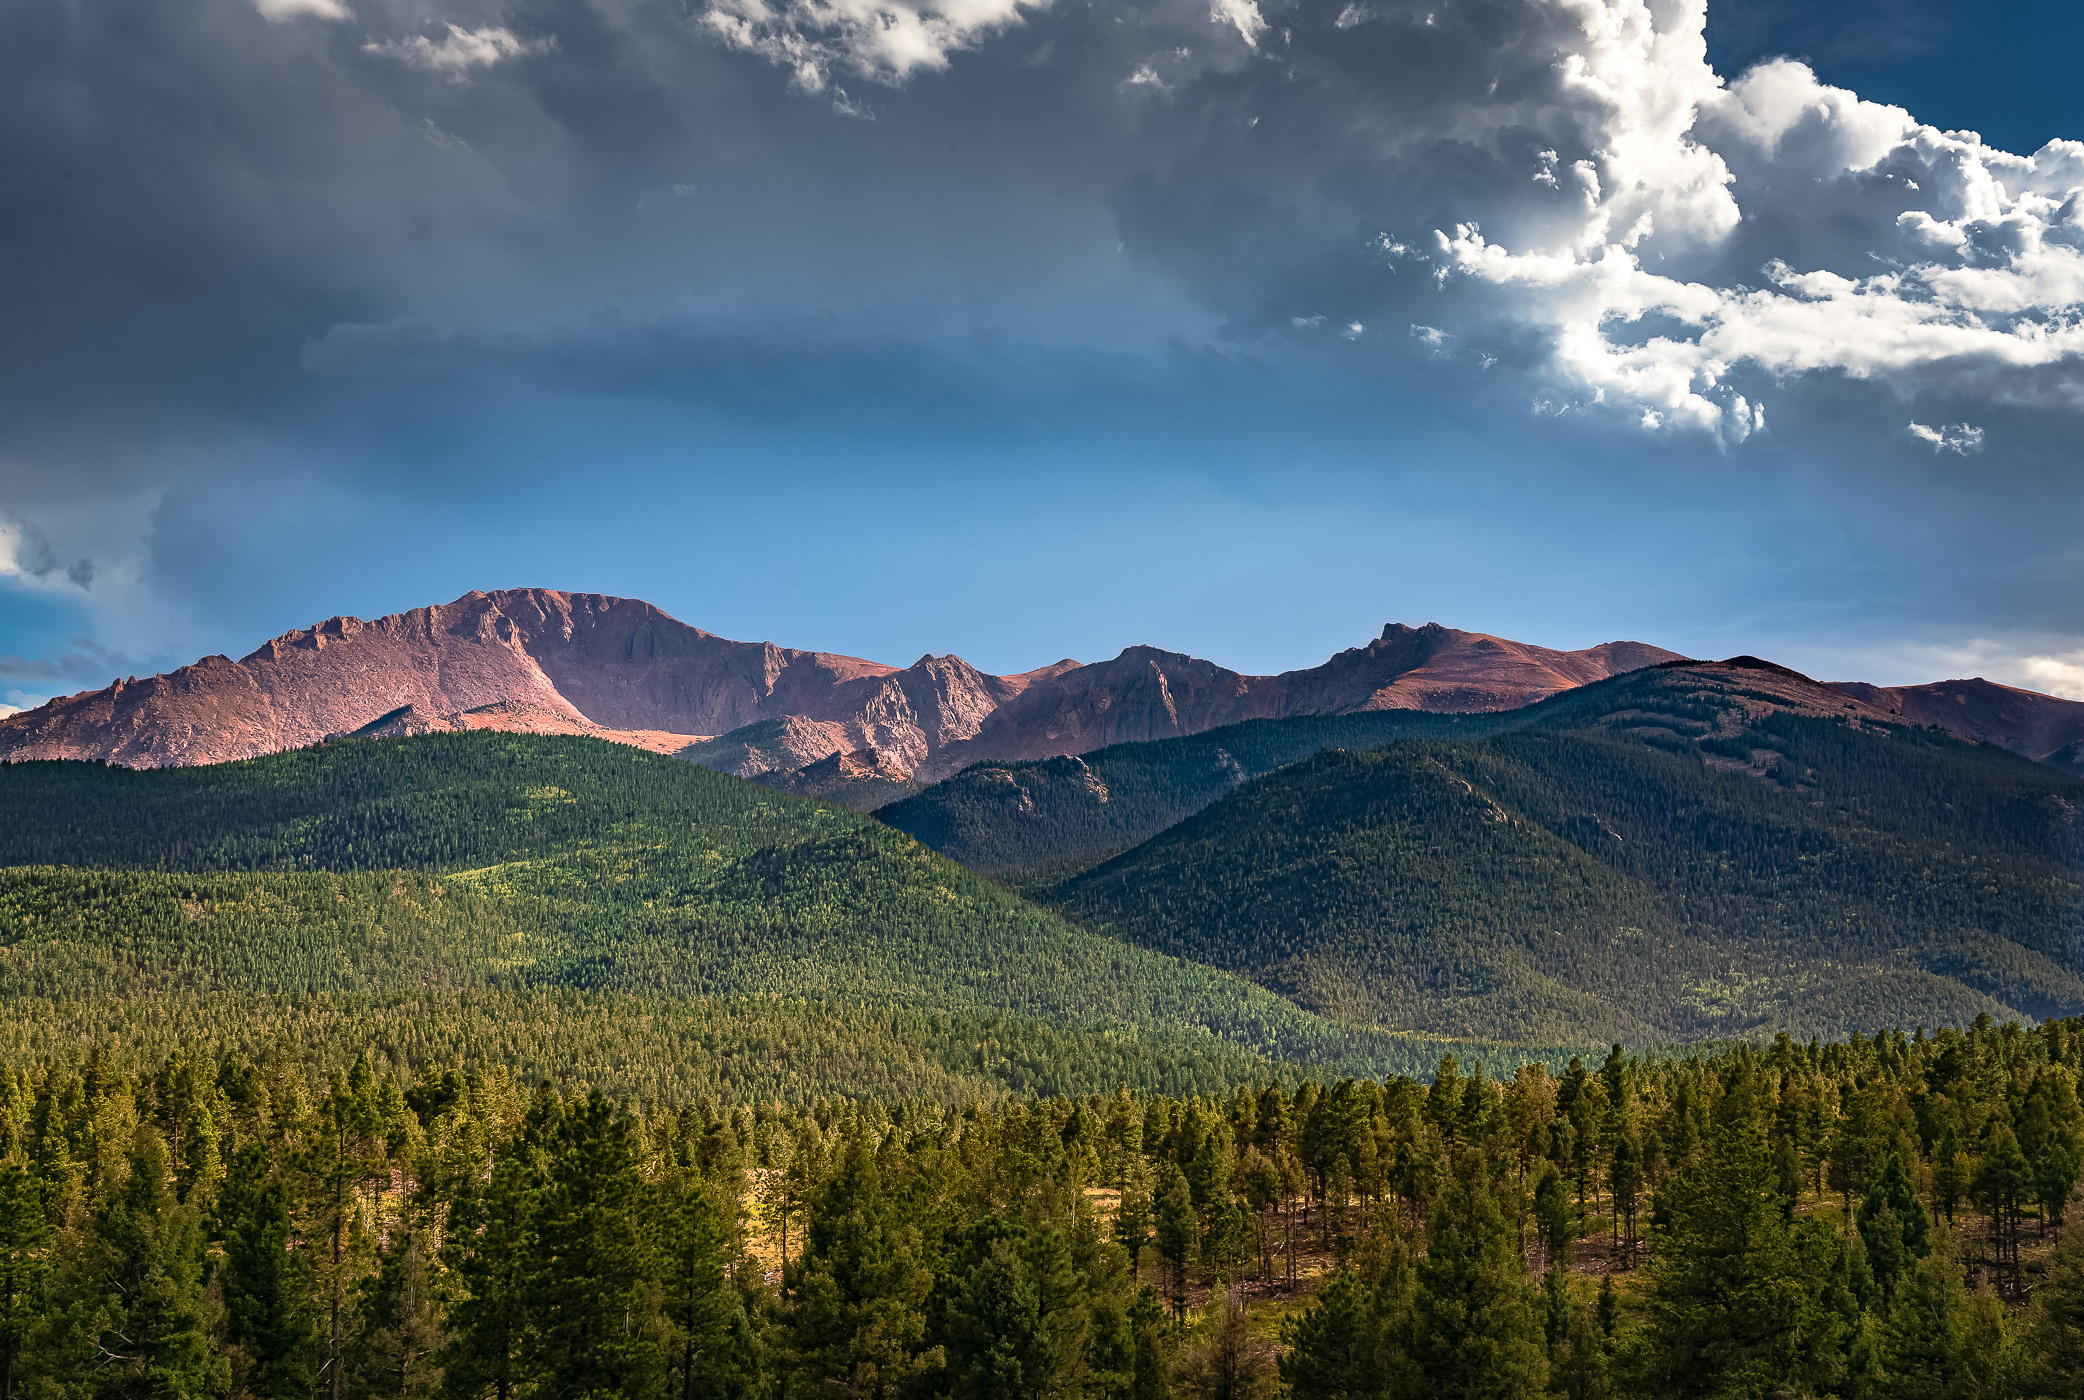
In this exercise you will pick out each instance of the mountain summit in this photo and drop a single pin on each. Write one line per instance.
(545, 661)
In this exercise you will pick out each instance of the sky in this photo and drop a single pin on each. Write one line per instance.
(1031, 330)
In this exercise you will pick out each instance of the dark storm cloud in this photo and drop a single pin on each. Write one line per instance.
(265, 277)
(86, 662)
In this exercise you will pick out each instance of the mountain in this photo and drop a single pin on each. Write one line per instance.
(541, 661)
(1147, 694)
(1042, 819)
(609, 666)
(1689, 851)
(575, 907)
(2041, 727)
(1045, 819)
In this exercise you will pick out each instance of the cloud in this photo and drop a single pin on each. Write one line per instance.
(87, 661)
(2058, 675)
(884, 42)
(1638, 231)
(276, 11)
(460, 50)
(237, 255)
(2050, 663)
(1243, 15)
(847, 107)
(1979, 249)
(18, 701)
(28, 557)
(1960, 439)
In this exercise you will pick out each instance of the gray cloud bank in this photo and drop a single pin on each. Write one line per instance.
(259, 257)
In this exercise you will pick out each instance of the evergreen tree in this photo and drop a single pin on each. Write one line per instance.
(1335, 1346)
(710, 1349)
(1923, 1340)
(1737, 1296)
(1136, 1214)
(266, 1279)
(1580, 1363)
(1178, 1233)
(1555, 1216)
(2054, 1178)
(588, 1290)
(860, 1289)
(1232, 1363)
(1012, 1313)
(1893, 1227)
(395, 1351)
(144, 1314)
(1475, 1330)
(2001, 1180)
(489, 1248)
(2057, 1325)
(1151, 1375)
(344, 1151)
(24, 1270)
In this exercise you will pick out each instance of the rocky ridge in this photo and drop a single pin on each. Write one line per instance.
(2042, 727)
(540, 660)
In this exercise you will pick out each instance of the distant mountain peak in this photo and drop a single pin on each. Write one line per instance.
(2043, 727)
(556, 661)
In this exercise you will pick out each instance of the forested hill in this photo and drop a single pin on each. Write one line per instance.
(1685, 852)
(579, 908)
(1035, 823)
(1029, 822)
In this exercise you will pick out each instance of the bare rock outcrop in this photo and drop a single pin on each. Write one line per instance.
(542, 661)
(1146, 693)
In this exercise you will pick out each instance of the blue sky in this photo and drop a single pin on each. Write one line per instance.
(1026, 331)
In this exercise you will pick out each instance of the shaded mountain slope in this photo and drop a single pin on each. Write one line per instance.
(1045, 818)
(2042, 727)
(1688, 851)
(1025, 822)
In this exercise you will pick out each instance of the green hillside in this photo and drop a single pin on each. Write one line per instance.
(1666, 855)
(1040, 820)
(576, 907)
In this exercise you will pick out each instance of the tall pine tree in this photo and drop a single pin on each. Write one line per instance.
(1475, 1331)
(589, 1291)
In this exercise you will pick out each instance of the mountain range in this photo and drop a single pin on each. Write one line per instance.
(542, 661)
(1693, 849)
(1440, 835)
(819, 724)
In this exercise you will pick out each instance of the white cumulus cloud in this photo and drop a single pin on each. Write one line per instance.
(460, 50)
(1960, 438)
(1243, 15)
(886, 42)
(1971, 255)
(276, 11)
(2061, 674)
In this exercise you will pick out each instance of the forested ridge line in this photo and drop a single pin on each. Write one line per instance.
(1693, 864)
(1040, 821)
(1029, 821)
(577, 909)
(1881, 1217)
